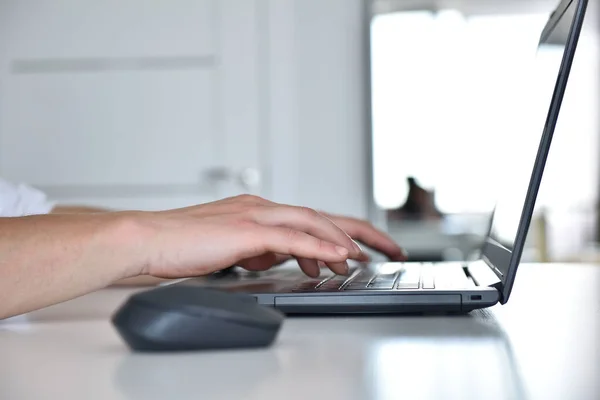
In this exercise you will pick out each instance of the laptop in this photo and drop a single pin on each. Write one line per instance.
(412, 287)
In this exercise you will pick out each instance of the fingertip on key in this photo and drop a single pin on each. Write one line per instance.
(342, 251)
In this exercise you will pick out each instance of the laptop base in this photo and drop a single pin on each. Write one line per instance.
(290, 291)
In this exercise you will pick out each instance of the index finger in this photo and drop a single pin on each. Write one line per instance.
(366, 233)
(295, 243)
(305, 220)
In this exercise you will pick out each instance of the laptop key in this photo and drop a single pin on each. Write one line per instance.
(365, 276)
(381, 285)
(383, 281)
(332, 284)
(307, 286)
(427, 278)
(355, 286)
(450, 276)
(407, 285)
(409, 277)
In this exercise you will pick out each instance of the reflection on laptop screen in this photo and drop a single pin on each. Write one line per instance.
(533, 95)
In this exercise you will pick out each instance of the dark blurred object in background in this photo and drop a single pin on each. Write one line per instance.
(419, 205)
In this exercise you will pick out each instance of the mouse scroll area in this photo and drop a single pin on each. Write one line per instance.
(184, 318)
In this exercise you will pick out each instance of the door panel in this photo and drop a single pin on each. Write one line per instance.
(119, 103)
(151, 127)
(59, 29)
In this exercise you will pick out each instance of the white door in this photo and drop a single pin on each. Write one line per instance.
(131, 104)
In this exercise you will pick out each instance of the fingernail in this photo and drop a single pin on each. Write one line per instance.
(346, 268)
(356, 247)
(342, 251)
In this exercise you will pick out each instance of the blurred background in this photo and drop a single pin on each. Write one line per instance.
(406, 112)
(460, 93)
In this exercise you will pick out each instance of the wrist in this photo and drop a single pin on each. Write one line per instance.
(127, 235)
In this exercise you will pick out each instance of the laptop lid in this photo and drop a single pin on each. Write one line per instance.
(505, 242)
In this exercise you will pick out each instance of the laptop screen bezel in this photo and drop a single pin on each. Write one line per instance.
(502, 260)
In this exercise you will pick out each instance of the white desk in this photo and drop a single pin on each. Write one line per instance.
(535, 347)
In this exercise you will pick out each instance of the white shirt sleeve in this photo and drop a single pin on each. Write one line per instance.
(18, 200)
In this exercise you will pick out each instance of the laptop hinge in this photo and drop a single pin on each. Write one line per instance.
(484, 275)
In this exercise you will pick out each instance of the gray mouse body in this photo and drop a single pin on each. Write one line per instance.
(180, 317)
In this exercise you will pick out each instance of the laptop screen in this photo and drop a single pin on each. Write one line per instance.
(542, 71)
(517, 189)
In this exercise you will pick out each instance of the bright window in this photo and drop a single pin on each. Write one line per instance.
(456, 99)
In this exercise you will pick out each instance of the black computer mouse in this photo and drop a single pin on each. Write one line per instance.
(182, 317)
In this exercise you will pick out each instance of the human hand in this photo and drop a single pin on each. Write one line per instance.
(359, 230)
(364, 232)
(243, 230)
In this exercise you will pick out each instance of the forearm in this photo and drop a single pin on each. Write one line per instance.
(48, 259)
(134, 281)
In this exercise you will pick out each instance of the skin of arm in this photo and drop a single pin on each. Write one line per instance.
(47, 259)
(358, 229)
(61, 257)
(133, 281)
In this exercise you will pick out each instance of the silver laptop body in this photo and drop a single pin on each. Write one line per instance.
(411, 287)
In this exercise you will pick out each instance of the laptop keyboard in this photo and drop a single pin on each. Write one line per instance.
(392, 276)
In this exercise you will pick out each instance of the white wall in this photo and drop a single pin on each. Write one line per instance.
(466, 6)
(319, 104)
(130, 104)
(287, 82)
